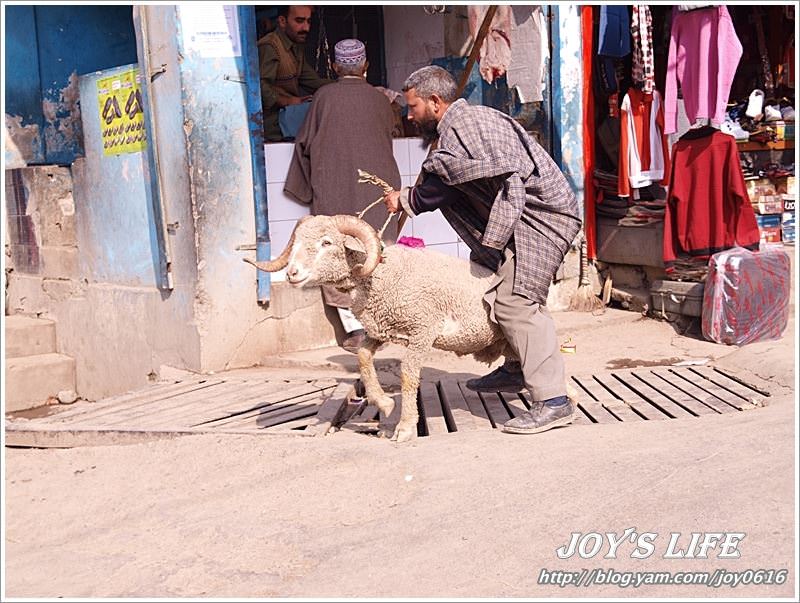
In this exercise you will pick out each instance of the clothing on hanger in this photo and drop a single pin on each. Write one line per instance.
(643, 68)
(613, 42)
(708, 208)
(703, 64)
(643, 151)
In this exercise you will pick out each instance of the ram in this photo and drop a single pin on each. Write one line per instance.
(414, 297)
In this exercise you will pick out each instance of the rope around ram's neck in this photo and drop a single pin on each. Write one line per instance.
(367, 178)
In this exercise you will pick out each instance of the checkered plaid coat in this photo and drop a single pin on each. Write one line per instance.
(492, 160)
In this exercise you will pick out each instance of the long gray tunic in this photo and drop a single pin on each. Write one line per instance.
(348, 127)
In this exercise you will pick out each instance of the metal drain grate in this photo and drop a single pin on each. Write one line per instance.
(648, 394)
(312, 407)
(664, 393)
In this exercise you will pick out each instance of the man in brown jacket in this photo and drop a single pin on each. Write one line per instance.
(286, 77)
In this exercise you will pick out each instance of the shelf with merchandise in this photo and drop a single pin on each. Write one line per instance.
(751, 145)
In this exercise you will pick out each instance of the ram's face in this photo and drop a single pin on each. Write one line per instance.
(317, 257)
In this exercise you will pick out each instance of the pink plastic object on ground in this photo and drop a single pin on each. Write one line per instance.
(746, 296)
(411, 242)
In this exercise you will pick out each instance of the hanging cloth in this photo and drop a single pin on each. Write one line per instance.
(495, 56)
(643, 150)
(614, 37)
(703, 64)
(614, 42)
(323, 53)
(766, 69)
(643, 70)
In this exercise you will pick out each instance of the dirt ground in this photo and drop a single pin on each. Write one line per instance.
(476, 514)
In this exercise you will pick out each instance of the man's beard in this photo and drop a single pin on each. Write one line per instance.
(427, 130)
(297, 37)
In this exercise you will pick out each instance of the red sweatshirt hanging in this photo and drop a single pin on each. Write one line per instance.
(708, 209)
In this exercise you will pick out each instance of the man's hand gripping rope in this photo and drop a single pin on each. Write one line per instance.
(366, 177)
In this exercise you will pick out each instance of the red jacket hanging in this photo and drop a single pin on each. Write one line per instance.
(708, 209)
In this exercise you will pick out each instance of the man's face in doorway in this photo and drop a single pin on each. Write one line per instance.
(296, 24)
(421, 114)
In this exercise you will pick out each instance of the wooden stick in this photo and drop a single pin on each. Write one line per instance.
(476, 48)
(473, 56)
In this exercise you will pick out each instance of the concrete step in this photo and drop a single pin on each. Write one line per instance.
(30, 380)
(26, 336)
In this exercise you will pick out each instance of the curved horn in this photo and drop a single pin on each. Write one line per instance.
(350, 225)
(279, 263)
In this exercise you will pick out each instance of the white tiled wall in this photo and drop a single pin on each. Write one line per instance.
(278, 157)
(409, 153)
(282, 206)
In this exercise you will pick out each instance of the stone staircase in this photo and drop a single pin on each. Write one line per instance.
(34, 371)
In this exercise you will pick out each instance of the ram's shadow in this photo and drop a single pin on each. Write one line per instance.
(388, 370)
(444, 405)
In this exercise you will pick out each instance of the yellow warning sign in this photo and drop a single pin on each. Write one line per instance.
(119, 99)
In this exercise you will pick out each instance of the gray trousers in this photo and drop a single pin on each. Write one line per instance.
(531, 332)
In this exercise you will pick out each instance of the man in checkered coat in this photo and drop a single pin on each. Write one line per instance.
(507, 200)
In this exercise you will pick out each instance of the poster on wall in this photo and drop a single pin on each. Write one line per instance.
(119, 100)
(211, 30)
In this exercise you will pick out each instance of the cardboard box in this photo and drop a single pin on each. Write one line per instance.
(783, 130)
(768, 205)
(788, 227)
(769, 221)
(760, 187)
(771, 234)
(786, 185)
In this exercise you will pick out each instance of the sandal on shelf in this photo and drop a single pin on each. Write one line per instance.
(763, 136)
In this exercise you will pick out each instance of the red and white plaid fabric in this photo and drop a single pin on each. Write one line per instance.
(643, 68)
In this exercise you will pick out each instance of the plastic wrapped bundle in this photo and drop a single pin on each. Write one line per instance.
(746, 296)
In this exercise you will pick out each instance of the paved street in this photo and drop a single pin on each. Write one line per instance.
(457, 515)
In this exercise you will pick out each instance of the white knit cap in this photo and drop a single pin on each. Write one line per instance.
(350, 52)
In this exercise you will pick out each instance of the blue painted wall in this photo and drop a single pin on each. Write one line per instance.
(46, 45)
(567, 95)
(23, 96)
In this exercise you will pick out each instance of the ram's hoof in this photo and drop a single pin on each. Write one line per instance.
(385, 405)
(404, 433)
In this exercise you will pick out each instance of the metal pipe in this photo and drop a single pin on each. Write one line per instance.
(255, 122)
(151, 128)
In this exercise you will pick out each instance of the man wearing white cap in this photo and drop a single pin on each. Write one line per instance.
(348, 127)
